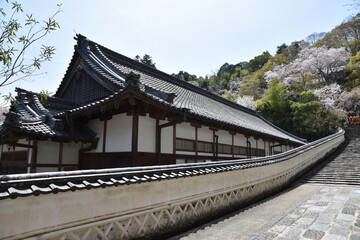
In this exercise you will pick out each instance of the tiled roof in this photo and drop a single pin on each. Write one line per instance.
(109, 70)
(31, 116)
(113, 67)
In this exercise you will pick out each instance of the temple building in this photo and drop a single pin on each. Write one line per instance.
(112, 111)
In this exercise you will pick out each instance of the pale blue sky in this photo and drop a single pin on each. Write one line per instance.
(196, 36)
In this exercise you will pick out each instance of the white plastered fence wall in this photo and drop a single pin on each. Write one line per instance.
(115, 206)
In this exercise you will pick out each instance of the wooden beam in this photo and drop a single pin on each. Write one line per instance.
(213, 129)
(105, 117)
(232, 132)
(196, 125)
(168, 124)
(20, 144)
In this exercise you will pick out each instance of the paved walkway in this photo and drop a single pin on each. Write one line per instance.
(324, 205)
(304, 212)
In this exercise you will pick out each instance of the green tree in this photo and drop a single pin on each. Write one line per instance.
(281, 48)
(275, 107)
(347, 34)
(304, 116)
(258, 62)
(353, 71)
(229, 96)
(254, 84)
(17, 38)
(146, 59)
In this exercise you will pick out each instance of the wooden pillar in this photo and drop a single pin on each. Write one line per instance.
(134, 140)
(196, 141)
(248, 147)
(174, 140)
(264, 146)
(34, 157)
(80, 157)
(60, 156)
(104, 136)
(257, 153)
(270, 153)
(232, 145)
(157, 141)
(2, 149)
(214, 143)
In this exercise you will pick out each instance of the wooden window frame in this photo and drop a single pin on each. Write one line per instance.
(184, 150)
(205, 142)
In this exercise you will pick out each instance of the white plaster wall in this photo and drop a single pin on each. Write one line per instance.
(22, 141)
(205, 134)
(119, 133)
(167, 138)
(147, 134)
(46, 169)
(48, 152)
(253, 142)
(71, 153)
(224, 155)
(224, 137)
(97, 126)
(278, 149)
(180, 161)
(261, 144)
(185, 130)
(240, 140)
(185, 153)
(266, 148)
(205, 154)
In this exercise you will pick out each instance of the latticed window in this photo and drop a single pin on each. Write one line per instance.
(239, 150)
(204, 146)
(253, 151)
(261, 152)
(185, 145)
(222, 148)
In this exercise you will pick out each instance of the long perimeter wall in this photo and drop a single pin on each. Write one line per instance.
(132, 203)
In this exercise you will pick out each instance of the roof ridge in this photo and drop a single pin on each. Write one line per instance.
(18, 89)
(164, 76)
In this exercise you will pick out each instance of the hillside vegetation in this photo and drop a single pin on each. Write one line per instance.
(307, 88)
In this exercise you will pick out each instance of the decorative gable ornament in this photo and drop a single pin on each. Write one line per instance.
(13, 118)
(133, 79)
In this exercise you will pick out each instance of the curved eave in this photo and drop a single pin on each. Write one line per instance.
(6, 128)
(121, 95)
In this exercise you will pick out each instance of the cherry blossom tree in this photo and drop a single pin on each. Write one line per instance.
(318, 63)
(330, 95)
(246, 101)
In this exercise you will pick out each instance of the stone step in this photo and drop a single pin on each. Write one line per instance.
(344, 169)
